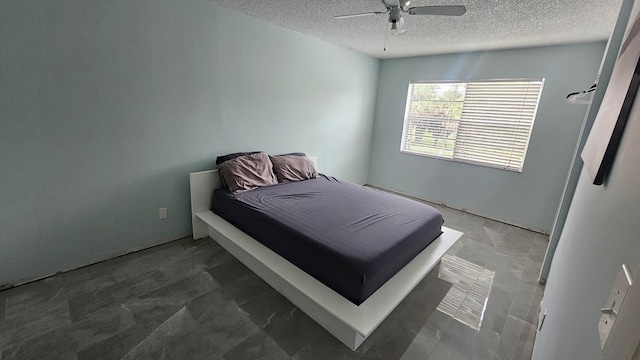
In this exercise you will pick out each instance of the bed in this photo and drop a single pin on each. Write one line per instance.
(348, 311)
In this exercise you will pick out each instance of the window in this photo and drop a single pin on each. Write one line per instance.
(480, 122)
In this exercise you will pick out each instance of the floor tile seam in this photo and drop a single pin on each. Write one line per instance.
(150, 253)
(304, 348)
(128, 301)
(520, 304)
(193, 335)
(152, 284)
(226, 291)
(531, 306)
(134, 284)
(186, 326)
(537, 287)
(70, 296)
(77, 325)
(531, 249)
(60, 322)
(522, 344)
(232, 304)
(512, 352)
(524, 287)
(10, 317)
(58, 312)
(533, 263)
(291, 356)
(201, 266)
(93, 343)
(67, 330)
(523, 320)
(509, 311)
(183, 258)
(139, 337)
(442, 333)
(518, 273)
(214, 282)
(289, 314)
(124, 264)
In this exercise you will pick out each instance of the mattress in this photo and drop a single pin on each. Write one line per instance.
(349, 237)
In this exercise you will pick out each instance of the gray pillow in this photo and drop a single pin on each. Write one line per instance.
(222, 158)
(293, 167)
(247, 172)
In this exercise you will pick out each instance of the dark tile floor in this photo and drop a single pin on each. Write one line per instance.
(192, 300)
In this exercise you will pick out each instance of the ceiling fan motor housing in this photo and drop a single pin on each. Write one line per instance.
(394, 14)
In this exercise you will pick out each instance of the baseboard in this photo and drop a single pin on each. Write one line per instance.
(543, 232)
(110, 257)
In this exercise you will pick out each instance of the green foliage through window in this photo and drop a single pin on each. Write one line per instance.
(483, 122)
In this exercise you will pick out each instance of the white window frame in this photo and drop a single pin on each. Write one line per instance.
(475, 152)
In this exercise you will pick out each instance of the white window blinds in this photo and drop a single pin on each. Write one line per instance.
(482, 122)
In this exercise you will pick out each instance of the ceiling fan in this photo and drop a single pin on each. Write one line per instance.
(395, 8)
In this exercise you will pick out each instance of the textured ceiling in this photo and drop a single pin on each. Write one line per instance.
(487, 25)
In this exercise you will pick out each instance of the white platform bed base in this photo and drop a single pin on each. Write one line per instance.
(349, 323)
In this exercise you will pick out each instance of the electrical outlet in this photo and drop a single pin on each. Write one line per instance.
(162, 213)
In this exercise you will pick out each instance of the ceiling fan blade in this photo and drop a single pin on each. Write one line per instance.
(359, 15)
(438, 10)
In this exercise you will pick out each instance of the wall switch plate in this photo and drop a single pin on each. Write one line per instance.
(162, 213)
(612, 307)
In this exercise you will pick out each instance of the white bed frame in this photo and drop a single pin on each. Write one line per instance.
(349, 323)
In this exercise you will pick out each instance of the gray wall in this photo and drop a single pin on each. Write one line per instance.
(529, 198)
(606, 68)
(600, 234)
(106, 106)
